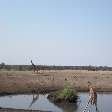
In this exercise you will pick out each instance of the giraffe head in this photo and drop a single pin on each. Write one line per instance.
(88, 84)
(31, 61)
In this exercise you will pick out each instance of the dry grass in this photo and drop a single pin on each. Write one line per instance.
(45, 81)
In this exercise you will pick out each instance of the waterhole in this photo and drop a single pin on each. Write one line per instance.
(40, 102)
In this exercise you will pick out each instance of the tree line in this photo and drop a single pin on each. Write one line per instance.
(53, 67)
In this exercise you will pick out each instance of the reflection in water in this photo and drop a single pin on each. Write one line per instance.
(35, 98)
(67, 107)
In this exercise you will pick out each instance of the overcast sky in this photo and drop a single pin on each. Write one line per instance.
(56, 32)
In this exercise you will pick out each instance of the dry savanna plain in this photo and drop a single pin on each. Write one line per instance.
(23, 82)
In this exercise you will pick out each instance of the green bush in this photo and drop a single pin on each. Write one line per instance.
(67, 92)
(67, 95)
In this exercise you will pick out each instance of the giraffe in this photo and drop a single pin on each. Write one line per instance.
(92, 99)
(34, 67)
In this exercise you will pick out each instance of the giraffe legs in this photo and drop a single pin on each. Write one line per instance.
(37, 71)
(89, 108)
(95, 106)
(86, 106)
(34, 69)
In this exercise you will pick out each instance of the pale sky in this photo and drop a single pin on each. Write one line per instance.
(56, 32)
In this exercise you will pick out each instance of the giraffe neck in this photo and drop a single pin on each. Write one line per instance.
(91, 89)
(32, 63)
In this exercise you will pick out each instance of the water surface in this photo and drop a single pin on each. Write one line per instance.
(40, 102)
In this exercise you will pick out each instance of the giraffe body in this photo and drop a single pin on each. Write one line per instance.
(92, 99)
(34, 67)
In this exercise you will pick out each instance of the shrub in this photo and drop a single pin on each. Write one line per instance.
(67, 95)
(67, 92)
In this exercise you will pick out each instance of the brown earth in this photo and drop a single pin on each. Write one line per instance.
(19, 110)
(20, 82)
(23, 82)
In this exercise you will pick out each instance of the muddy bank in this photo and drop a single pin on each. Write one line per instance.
(19, 110)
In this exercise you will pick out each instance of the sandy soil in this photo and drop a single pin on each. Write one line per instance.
(20, 82)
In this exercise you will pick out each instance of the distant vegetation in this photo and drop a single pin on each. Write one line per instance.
(45, 67)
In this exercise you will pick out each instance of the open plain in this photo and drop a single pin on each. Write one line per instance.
(22, 82)
(25, 82)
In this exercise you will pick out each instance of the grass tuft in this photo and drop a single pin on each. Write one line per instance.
(67, 92)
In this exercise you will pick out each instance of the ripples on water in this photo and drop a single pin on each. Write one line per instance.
(40, 102)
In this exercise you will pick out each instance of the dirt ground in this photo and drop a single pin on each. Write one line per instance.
(24, 82)
(19, 110)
